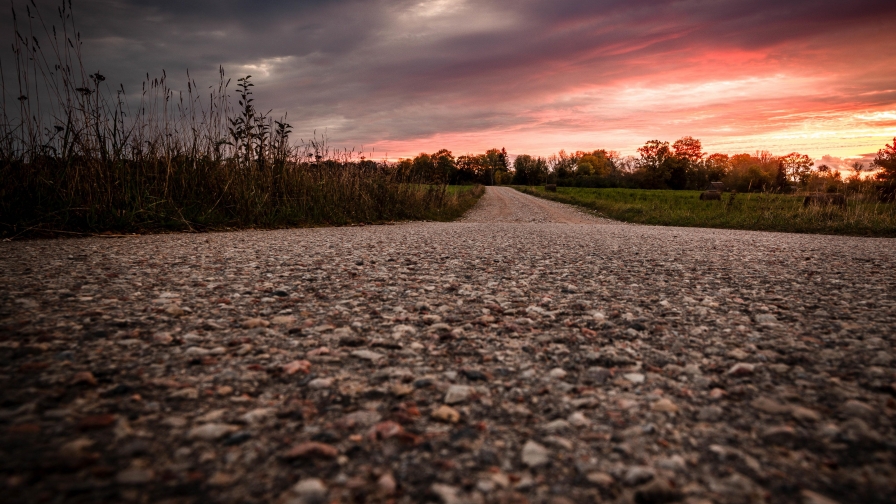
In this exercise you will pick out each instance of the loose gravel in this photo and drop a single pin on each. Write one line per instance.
(529, 353)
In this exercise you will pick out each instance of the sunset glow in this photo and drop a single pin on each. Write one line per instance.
(395, 78)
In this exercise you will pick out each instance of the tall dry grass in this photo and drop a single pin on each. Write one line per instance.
(78, 155)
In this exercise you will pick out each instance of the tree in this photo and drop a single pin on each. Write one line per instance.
(444, 164)
(495, 162)
(798, 166)
(528, 170)
(886, 161)
(654, 170)
(689, 148)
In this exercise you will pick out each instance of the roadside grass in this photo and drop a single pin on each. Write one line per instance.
(864, 215)
(80, 157)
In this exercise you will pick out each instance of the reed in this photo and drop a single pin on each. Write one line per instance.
(80, 156)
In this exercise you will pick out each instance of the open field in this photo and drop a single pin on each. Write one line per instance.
(863, 215)
(530, 352)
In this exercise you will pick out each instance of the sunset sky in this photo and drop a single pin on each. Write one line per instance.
(401, 77)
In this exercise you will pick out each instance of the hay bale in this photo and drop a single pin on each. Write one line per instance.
(820, 199)
(710, 195)
(550, 187)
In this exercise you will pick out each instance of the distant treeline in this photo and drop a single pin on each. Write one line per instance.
(659, 165)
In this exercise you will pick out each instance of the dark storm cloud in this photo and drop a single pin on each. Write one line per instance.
(373, 70)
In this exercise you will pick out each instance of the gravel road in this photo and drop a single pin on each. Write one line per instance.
(528, 353)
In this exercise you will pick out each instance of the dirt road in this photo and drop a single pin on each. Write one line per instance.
(529, 353)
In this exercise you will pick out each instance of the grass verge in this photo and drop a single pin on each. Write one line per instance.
(80, 157)
(863, 215)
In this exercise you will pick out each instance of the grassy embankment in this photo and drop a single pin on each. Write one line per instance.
(863, 215)
(78, 156)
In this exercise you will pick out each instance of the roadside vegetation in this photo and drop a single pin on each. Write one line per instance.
(79, 156)
(863, 215)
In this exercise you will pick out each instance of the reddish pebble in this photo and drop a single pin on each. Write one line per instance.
(96, 421)
(297, 366)
(85, 377)
(312, 449)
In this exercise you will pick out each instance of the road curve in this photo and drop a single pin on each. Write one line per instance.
(528, 353)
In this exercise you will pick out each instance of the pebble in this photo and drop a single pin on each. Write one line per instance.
(134, 476)
(368, 355)
(665, 406)
(534, 455)
(458, 394)
(638, 475)
(311, 491)
(445, 413)
(742, 369)
(211, 431)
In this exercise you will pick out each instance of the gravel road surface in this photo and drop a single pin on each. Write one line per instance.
(528, 353)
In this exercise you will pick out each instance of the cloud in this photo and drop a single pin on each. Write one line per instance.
(534, 76)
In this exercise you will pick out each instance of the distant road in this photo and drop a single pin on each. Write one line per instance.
(530, 352)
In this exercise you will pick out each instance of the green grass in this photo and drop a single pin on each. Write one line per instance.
(863, 215)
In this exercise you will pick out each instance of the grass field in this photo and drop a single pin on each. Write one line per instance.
(863, 215)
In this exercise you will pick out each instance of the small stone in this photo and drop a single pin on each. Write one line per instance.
(320, 383)
(257, 415)
(386, 484)
(310, 491)
(805, 414)
(162, 338)
(283, 320)
(401, 389)
(810, 497)
(555, 426)
(446, 414)
(534, 454)
(253, 323)
(175, 311)
(402, 330)
(188, 393)
(578, 419)
(559, 442)
(97, 421)
(636, 378)
(220, 479)
(557, 373)
(134, 476)
(447, 494)
(224, 390)
(84, 377)
(854, 408)
(779, 435)
(710, 414)
(297, 366)
(638, 475)
(75, 449)
(716, 394)
(600, 479)
(368, 355)
(211, 431)
(765, 319)
(664, 406)
(741, 369)
(458, 394)
(673, 463)
(770, 406)
(196, 351)
(312, 449)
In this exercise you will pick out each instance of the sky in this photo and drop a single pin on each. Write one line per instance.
(395, 78)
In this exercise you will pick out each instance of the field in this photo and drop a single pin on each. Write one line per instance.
(863, 215)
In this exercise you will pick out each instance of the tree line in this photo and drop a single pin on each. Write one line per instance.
(658, 165)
